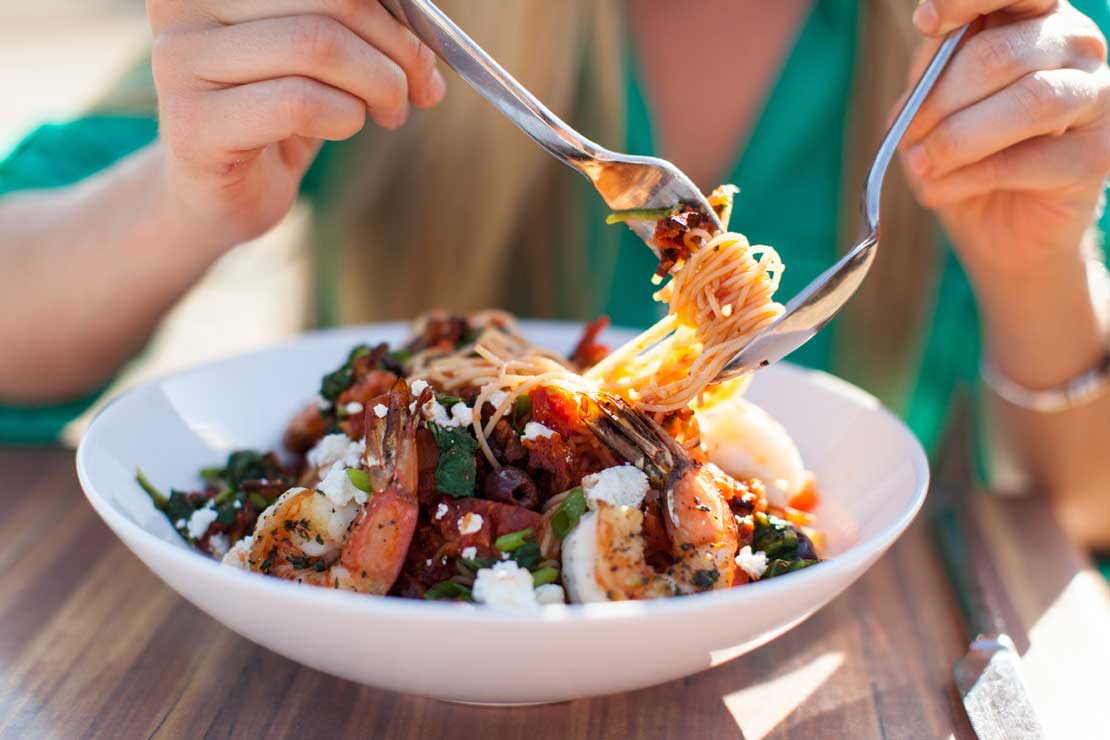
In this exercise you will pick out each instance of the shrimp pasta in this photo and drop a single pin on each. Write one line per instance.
(468, 464)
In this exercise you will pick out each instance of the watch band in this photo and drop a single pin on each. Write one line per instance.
(1078, 391)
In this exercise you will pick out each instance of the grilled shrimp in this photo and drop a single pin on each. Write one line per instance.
(309, 537)
(604, 556)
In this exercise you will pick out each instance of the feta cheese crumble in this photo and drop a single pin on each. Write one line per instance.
(418, 386)
(380, 410)
(550, 593)
(505, 586)
(623, 485)
(535, 430)
(219, 544)
(441, 511)
(752, 563)
(469, 553)
(459, 415)
(336, 448)
(339, 489)
(470, 523)
(352, 408)
(201, 520)
(322, 403)
(497, 398)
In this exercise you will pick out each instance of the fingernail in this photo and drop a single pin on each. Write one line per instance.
(917, 160)
(438, 86)
(925, 17)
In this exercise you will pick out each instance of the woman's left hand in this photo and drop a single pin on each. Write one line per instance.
(1012, 147)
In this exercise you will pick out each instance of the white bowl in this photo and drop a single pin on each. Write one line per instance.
(872, 476)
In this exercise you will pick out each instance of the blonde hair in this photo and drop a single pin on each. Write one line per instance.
(460, 210)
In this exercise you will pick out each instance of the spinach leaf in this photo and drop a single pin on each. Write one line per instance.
(527, 555)
(448, 590)
(774, 536)
(179, 507)
(456, 469)
(779, 566)
(339, 380)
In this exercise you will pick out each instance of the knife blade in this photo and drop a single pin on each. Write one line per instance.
(988, 677)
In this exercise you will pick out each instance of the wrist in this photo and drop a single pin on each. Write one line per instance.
(1042, 328)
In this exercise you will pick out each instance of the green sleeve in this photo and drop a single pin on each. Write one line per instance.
(52, 156)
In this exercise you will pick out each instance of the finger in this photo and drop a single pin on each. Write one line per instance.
(1041, 103)
(216, 124)
(1040, 164)
(938, 17)
(313, 46)
(367, 18)
(997, 57)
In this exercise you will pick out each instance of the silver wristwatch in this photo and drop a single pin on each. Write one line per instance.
(1078, 391)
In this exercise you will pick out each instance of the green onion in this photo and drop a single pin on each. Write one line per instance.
(476, 564)
(513, 540)
(639, 214)
(569, 512)
(156, 496)
(211, 474)
(522, 412)
(259, 501)
(448, 590)
(545, 575)
(359, 479)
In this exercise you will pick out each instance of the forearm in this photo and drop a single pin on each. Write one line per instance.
(88, 271)
(1041, 332)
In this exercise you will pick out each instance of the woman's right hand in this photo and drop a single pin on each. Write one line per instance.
(248, 90)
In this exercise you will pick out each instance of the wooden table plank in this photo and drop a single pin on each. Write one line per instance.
(92, 644)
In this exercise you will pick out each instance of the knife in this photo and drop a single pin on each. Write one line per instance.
(988, 677)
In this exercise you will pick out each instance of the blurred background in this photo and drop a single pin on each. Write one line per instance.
(58, 56)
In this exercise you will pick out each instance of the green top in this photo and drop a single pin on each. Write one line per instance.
(789, 174)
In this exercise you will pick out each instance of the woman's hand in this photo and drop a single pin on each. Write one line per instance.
(248, 90)
(1012, 148)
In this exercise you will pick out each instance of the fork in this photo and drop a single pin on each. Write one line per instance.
(628, 181)
(624, 181)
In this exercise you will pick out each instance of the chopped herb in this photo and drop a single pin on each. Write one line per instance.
(639, 214)
(512, 541)
(320, 566)
(706, 578)
(359, 479)
(448, 591)
(569, 512)
(156, 496)
(456, 467)
(527, 555)
(300, 563)
(545, 575)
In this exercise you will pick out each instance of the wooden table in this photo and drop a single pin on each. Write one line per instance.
(92, 644)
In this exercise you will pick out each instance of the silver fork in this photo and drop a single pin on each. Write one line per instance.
(632, 182)
(624, 181)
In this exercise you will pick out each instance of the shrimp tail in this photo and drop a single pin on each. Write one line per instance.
(391, 442)
(636, 437)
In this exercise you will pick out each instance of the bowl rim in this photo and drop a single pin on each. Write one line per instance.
(853, 562)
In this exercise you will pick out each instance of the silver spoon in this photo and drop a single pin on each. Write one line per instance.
(632, 182)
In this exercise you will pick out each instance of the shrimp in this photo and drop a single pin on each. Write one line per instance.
(604, 557)
(309, 537)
